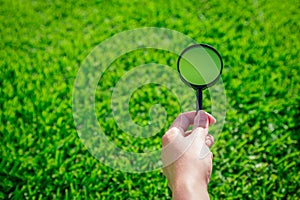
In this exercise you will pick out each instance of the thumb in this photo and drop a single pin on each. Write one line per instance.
(200, 125)
(201, 120)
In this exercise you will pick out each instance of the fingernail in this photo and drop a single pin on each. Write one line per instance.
(208, 143)
(213, 120)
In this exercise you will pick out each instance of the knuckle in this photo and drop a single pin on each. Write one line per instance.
(169, 136)
(209, 140)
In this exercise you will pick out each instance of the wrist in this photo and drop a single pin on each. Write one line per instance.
(189, 191)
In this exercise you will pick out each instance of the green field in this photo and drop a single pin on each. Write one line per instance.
(44, 43)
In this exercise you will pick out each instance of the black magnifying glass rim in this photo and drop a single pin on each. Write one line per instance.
(205, 85)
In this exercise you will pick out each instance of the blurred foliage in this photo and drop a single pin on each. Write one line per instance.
(43, 43)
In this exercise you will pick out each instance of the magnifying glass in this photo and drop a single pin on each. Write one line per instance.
(199, 66)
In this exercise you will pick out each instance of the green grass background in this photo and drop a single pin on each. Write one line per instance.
(43, 43)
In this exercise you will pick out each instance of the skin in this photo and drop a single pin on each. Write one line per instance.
(188, 176)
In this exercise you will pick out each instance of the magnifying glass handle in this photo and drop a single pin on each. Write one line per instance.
(199, 99)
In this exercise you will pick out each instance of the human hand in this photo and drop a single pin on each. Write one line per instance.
(186, 157)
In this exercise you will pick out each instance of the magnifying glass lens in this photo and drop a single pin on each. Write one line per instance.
(200, 66)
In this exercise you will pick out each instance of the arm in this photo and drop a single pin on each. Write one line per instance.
(188, 176)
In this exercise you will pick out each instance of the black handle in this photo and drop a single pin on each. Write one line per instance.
(199, 99)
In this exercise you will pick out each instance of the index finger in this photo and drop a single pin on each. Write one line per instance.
(184, 120)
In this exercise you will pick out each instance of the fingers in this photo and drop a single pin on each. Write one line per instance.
(179, 126)
(201, 120)
(184, 120)
(209, 140)
(201, 117)
(201, 123)
(203, 137)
